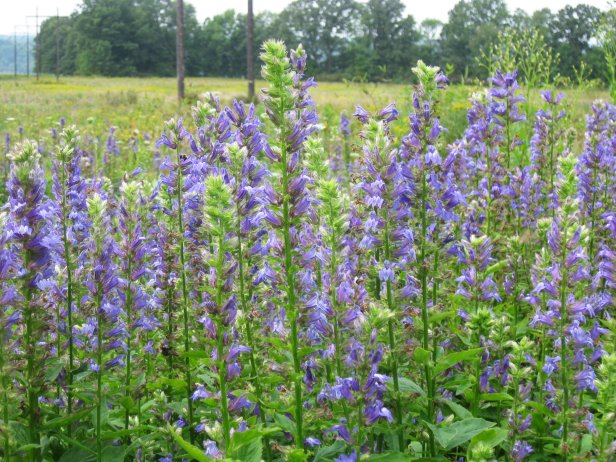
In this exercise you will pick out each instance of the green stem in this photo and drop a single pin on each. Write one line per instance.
(563, 343)
(476, 385)
(185, 316)
(424, 308)
(254, 373)
(220, 341)
(99, 374)
(222, 378)
(393, 357)
(489, 198)
(292, 309)
(552, 173)
(129, 337)
(5, 398)
(31, 367)
(69, 299)
(169, 309)
(591, 240)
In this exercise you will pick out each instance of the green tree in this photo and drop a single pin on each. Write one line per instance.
(221, 38)
(571, 30)
(472, 24)
(429, 41)
(56, 32)
(325, 27)
(392, 37)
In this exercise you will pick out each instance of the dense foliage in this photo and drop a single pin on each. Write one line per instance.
(281, 292)
(373, 40)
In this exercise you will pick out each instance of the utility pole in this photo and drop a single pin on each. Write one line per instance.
(38, 43)
(250, 62)
(15, 51)
(38, 49)
(57, 44)
(27, 27)
(179, 47)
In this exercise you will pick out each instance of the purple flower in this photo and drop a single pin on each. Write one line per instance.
(352, 457)
(520, 450)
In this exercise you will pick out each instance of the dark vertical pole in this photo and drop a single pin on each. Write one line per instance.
(15, 51)
(250, 61)
(57, 44)
(38, 48)
(28, 52)
(179, 47)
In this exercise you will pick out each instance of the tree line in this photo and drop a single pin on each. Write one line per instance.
(373, 40)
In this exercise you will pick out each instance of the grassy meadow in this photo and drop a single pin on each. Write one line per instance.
(433, 281)
(138, 106)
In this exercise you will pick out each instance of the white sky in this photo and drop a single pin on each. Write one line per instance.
(14, 12)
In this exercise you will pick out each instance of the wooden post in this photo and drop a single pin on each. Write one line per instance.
(38, 48)
(179, 47)
(250, 61)
(15, 51)
(28, 52)
(57, 44)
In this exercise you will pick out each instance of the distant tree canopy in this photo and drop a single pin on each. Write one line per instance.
(370, 40)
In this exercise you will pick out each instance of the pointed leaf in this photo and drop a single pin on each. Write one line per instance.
(193, 451)
(408, 386)
(459, 432)
(450, 360)
(327, 452)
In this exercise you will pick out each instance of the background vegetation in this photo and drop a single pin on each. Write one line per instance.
(374, 40)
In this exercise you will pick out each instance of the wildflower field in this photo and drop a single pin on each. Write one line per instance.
(426, 281)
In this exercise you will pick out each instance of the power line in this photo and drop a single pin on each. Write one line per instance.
(27, 27)
(38, 44)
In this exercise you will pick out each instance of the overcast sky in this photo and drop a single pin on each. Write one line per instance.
(13, 12)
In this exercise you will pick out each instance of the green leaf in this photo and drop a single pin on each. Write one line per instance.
(76, 454)
(249, 443)
(120, 433)
(496, 267)
(54, 367)
(450, 360)
(285, 423)
(76, 444)
(113, 453)
(491, 438)
(64, 421)
(459, 432)
(495, 397)
(195, 354)
(193, 451)
(586, 443)
(250, 452)
(421, 356)
(27, 447)
(327, 452)
(104, 413)
(390, 457)
(176, 384)
(126, 402)
(297, 455)
(460, 411)
(408, 386)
